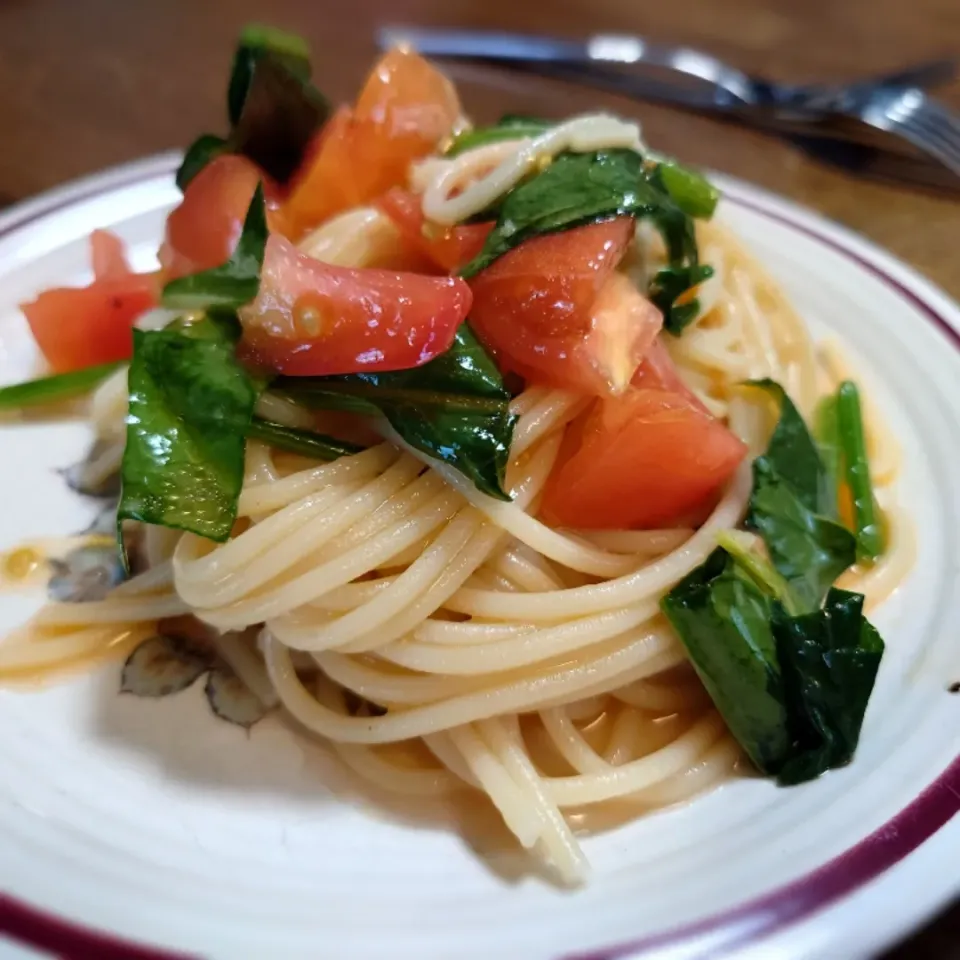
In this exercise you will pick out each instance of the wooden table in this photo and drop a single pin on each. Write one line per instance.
(89, 83)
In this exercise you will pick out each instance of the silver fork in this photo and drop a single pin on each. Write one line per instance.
(916, 117)
(887, 114)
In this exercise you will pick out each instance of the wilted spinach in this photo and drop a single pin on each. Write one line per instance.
(792, 507)
(191, 404)
(234, 283)
(454, 408)
(273, 109)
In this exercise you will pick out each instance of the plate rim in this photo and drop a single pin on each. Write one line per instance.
(731, 930)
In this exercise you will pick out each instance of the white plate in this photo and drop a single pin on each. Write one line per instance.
(153, 822)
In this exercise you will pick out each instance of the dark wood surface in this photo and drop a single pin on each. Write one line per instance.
(85, 84)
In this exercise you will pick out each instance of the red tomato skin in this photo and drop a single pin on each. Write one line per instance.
(539, 310)
(107, 256)
(658, 372)
(449, 248)
(314, 319)
(646, 460)
(406, 108)
(78, 327)
(203, 230)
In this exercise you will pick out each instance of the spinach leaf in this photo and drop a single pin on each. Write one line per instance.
(508, 127)
(454, 408)
(688, 188)
(669, 291)
(808, 550)
(723, 619)
(869, 528)
(233, 283)
(259, 42)
(281, 115)
(579, 188)
(790, 498)
(829, 662)
(61, 386)
(757, 634)
(273, 109)
(190, 407)
(792, 689)
(305, 442)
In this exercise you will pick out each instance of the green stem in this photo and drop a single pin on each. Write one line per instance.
(690, 190)
(61, 386)
(869, 530)
(827, 433)
(305, 442)
(761, 570)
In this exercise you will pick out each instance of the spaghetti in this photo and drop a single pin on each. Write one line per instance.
(443, 641)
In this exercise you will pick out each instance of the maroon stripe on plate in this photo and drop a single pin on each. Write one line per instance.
(69, 940)
(727, 931)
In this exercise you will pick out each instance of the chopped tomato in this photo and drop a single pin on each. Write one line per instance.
(403, 112)
(657, 372)
(647, 459)
(82, 327)
(449, 248)
(204, 229)
(312, 318)
(554, 311)
(108, 258)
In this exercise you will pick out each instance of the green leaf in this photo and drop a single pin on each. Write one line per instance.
(190, 407)
(829, 660)
(792, 451)
(508, 127)
(869, 528)
(62, 386)
(667, 291)
(281, 115)
(791, 508)
(792, 689)
(692, 192)
(258, 42)
(454, 408)
(273, 109)
(203, 150)
(233, 283)
(722, 617)
(808, 550)
(762, 572)
(305, 442)
(579, 188)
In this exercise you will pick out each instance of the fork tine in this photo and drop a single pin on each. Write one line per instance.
(929, 134)
(942, 129)
(946, 120)
(915, 117)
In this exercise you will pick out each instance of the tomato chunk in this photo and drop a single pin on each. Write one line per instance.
(403, 112)
(645, 460)
(449, 248)
(204, 229)
(657, 372)
(554, 310)
(82, 327)
(107, 256)
(312, 318)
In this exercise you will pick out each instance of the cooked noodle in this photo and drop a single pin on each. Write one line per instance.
(494, 640)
